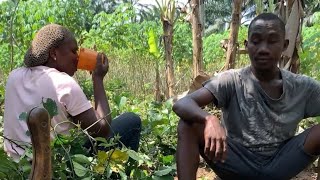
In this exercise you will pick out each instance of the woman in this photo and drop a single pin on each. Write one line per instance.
(50, 62)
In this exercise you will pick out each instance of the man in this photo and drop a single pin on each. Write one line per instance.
(261, 108)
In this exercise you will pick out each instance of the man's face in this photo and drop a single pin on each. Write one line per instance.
(266, 42)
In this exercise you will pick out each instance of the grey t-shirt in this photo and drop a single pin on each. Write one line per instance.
(254, 119)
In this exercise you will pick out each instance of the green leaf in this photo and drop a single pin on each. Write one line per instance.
(23, 116)
(167, 177)
(79, 169)
(168, 159)
(101, 139)
(51, 106)
(163, 172)
(123, 175)
(118, 156)
(134, 155)
(122, 102)
(152, 42)
(62, 175)
(82, 159)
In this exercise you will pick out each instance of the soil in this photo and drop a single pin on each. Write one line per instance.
(208, 174)
(205, 173)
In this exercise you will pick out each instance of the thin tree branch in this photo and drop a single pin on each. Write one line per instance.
(11, 31)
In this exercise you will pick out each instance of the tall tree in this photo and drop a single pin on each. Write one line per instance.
(168, 9)
(197, 32)
(233, 39)
(218, 14)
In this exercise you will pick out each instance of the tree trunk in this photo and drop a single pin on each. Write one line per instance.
(157, 94)
(233, 44)
(168, 41)
(197, 31)
(293, 18)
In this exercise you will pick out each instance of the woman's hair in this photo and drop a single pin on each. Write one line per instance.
(49, 36)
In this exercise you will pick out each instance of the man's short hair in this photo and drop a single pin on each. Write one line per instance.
(268, 17)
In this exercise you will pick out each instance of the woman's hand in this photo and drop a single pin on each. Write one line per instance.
(215, 139)
(102, 66)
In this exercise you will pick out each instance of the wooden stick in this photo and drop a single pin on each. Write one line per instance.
(39, 126)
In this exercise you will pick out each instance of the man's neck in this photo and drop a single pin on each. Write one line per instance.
(266, 75)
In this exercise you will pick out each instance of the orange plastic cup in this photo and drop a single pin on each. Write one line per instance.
(87, 59)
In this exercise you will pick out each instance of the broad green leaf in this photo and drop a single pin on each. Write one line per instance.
(80, 158)
(140, 158)
(102, 157)
(99, 168)
(117, 156)
(134, 155)
(79, 170)
(163, 172)
(152, 42)
(101, 139)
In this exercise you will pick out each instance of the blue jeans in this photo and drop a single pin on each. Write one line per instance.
(128, 126)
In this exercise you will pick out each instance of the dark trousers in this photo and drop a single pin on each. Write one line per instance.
(128, 126)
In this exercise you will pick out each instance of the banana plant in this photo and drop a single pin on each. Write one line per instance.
(167, 16)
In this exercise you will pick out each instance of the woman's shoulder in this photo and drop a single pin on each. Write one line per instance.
(60, 78)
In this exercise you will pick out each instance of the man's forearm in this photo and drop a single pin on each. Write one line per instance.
(189, 110)
(101, 102)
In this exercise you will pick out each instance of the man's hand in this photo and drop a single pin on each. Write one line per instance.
(215, 139)
(102, 66)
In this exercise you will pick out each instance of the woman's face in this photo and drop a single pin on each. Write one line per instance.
(67, 56)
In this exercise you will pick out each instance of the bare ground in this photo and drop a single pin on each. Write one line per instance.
(205, 173)
(208, 174)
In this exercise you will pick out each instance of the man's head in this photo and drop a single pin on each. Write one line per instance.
(266, 41)
(53, 46)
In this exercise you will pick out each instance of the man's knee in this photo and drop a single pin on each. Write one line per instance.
(188, 131)
(312, 143)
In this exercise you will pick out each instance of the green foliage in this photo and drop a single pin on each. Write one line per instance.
(182, 42)
(214, 54)
(153, 43)
(310, 53)
(71, 158)
(113, 28)
(30, 16)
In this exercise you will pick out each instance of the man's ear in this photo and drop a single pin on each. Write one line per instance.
(245, 42)
(286, 44)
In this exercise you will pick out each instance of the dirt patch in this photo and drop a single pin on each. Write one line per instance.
(208, 174)
(205, 173)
